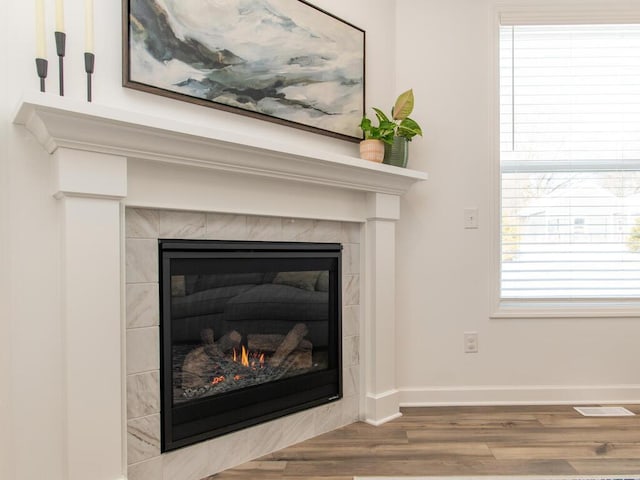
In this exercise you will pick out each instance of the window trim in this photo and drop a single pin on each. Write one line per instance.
(537, 13)
(566, 12)
(601, 308)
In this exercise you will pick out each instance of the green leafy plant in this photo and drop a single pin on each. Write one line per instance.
(384, 131)
(399, 124)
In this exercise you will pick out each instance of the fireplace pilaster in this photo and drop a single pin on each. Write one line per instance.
(89, 187)
(382, 397)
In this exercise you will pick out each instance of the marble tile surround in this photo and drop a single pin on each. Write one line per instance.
(142, 229)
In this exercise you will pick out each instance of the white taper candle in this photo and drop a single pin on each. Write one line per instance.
(59, 15)
(88, 26)
(41, 44)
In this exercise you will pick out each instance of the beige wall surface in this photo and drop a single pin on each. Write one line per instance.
(444, 51)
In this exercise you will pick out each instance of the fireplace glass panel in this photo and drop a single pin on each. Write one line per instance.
(250, 331)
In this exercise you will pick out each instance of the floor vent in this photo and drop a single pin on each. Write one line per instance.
(604, 411)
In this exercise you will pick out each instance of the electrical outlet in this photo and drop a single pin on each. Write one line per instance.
(470, 342)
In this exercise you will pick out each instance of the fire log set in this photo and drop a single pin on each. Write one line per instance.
(226, 364)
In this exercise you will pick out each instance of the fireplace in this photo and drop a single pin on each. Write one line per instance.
(250, 331)
(187, 179)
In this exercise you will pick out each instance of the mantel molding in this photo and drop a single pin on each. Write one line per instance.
(62, 123)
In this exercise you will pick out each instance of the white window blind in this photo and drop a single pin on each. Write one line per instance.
(570, 161)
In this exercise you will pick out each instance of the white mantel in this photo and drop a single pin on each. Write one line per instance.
(104, 158)
(59, 123)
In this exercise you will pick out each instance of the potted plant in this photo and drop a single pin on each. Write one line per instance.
(394, 133)
(375, 137)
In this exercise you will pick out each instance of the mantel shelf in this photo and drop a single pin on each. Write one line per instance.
(57, 122)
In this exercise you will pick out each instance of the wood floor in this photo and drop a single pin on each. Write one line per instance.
(553, 440)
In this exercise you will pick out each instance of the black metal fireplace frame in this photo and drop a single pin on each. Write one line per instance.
(189, 423)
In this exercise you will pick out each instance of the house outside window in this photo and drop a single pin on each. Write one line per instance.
(569, 154)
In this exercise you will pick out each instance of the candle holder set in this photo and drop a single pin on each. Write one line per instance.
(42, 67)
(61, 40)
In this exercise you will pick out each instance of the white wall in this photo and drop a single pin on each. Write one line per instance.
(444, 53)
(5, 338)
(31, 353)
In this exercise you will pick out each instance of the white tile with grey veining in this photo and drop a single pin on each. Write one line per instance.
(229, 450)
(296, 428)
(197, 461)
(328, 417)
(265, 228)
(351, 320)
(298, 230)
(350, 410)
(141, 223)
(327, 231)
(299, 427)
(177, 224)
(221, 226)
(350, 381)
(142, 305)
(143, 394)
(262, 439)
(265, 438)
(189, 463)
(350, 351)
(351, 289)
(143, 350)
(351, 258)
(351, 232)
(141, 260)
(143, 438)
(147, 470)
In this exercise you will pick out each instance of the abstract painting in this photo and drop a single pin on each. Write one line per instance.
(284, 61)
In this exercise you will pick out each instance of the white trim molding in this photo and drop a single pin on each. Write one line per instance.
(567, 12)
(382, 407)
(520, 395)
(614, 308)
(59, 122)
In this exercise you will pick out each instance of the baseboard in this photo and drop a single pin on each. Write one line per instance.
(382, 407)
(520, 395)
(378, 422)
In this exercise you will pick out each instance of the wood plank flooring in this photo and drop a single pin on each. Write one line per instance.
(453, 441)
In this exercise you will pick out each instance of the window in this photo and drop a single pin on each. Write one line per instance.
(570, 162)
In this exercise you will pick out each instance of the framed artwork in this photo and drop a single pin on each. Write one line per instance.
(285, 61)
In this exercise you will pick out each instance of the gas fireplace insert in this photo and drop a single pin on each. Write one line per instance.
(250, 331)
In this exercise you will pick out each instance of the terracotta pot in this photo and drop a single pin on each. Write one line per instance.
(372, 150)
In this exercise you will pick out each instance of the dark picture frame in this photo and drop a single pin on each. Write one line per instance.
(284, 61)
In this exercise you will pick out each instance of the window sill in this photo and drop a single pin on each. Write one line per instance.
(560, 308)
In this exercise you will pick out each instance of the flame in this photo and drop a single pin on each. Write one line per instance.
(245, 357)
(248, 359)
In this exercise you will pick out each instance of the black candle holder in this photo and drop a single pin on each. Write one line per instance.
(61, 40)
(41, 68)
(89, 62)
